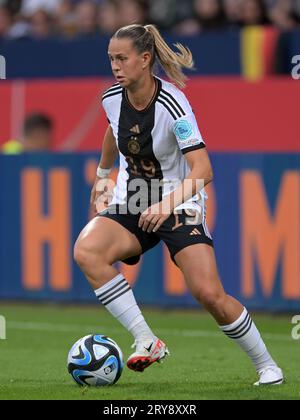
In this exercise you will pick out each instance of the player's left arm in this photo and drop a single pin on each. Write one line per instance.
(201, 169)
(201, 174)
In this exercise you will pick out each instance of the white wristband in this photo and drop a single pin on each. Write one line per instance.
(103, 173)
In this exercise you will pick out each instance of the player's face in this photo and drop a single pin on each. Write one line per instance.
(127, 65)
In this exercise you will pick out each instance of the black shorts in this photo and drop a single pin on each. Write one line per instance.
(177, 232)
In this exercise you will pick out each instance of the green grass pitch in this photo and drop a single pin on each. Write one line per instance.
(203, 364)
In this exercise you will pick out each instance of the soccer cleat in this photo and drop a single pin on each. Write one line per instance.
(147, 352)
(271, 375)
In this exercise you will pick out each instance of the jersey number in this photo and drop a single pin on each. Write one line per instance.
(141, 167)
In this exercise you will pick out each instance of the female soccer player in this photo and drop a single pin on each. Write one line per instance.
(159, 196)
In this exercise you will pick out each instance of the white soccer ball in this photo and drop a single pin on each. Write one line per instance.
(95, 360)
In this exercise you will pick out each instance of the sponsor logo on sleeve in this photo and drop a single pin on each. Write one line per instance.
(183, 130)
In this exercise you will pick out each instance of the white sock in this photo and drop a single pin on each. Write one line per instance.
(118, 298)
(245, 333)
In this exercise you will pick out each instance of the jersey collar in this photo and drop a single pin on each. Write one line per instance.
(152, 101)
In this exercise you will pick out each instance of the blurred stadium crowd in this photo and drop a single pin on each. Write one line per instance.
(72, 18)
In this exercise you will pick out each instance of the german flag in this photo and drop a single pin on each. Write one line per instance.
(258, 46)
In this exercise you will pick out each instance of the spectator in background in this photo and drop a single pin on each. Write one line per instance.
(29, 7)
(37, 136)
(209, 14)
(185, 23)
(86, 18)
(38, 132)
(296, 12)
(6, 21)
(132, 11)
(281, 15)
(66, 18)
(45, 18)
(108, 20)
(171, 14)
(12, 26)
(254, 12)
(233, 9)
(41, 24)
(162, 14)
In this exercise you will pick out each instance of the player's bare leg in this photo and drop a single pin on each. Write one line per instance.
(198, 265)
(102, 243)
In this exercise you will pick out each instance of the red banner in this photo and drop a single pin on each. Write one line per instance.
(233, 115)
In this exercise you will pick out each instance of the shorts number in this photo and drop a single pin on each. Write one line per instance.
(193, 218)
(177, 223)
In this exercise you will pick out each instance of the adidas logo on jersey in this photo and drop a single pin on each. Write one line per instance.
(195, 232)
(136, 129)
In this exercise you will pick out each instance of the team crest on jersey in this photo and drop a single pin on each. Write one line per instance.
(183, 129)
(134, 147)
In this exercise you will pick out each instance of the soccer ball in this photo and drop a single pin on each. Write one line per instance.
(95, 360)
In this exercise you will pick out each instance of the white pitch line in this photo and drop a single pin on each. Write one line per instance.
(67, 328)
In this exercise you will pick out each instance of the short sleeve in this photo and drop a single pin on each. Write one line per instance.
(109, 100)
(106, 110)
(187, 134)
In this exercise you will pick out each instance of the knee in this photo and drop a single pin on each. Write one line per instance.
(212, 300)
(80, 254)
(85, 255)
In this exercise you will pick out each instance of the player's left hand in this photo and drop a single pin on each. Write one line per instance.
(152, 218)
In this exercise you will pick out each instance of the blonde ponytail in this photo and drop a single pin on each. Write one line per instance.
(148, 38)
(172, 62)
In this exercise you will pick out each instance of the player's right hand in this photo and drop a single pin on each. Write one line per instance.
(99, 197)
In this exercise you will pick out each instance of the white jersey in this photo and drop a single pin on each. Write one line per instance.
(152, 142)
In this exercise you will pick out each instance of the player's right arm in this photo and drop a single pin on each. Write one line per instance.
(108, 157)
(109, 150)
